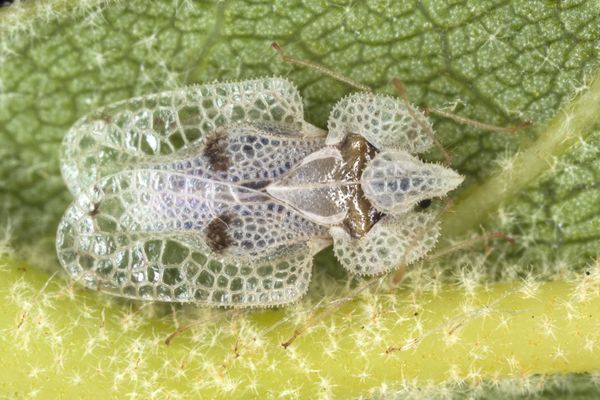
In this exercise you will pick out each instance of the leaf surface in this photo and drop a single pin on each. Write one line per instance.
(498, 62)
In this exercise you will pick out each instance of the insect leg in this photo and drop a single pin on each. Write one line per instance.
(399, 86)
(372, 254)
(317, 317)
(319, 68)
(477, 124)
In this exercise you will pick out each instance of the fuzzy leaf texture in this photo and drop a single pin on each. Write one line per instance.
(519, 318)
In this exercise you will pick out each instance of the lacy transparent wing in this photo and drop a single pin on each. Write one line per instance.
(146, 234)
(384, 121)
(246, 154)
(392, 242)
(154, 127)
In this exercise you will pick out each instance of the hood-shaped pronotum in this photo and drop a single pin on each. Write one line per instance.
(395, 181)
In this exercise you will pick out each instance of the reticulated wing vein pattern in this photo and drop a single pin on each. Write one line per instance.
(146, 234)
(154, 127)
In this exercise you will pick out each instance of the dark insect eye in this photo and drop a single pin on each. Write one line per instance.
(424, 203)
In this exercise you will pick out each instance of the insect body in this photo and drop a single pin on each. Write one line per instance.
(222, 194)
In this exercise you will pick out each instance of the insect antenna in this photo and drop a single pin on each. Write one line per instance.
(319, 68)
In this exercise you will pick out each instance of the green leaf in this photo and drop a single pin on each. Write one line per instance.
(498, 62)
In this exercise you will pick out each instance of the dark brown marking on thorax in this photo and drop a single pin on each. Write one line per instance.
(218, 237)
(215, 151)
(357, 152)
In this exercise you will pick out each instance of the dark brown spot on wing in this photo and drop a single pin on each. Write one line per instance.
(215, 151)
(95, 209)
(159, 124)
(101, 116)
(361, 216)
(218, 236)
